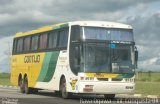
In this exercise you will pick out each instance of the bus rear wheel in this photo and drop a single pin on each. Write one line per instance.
(27, 90)
(63, 88)
(21, 85)
(109, 96)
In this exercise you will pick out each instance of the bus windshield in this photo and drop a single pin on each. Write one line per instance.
(96, 58)
(100, 57)
(99, 33)
(103, 50)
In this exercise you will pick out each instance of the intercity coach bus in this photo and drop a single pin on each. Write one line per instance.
(82, 57)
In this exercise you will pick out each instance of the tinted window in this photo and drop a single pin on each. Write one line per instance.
(63, 38)
(14, 45)
(27, 42)
(52, 39)
(76, 33)
(19, 45)
(34, 45)
(96, 33)
(96, 57)
(43, 41)
(99, 33)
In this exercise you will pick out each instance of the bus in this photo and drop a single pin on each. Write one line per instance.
(78, 57)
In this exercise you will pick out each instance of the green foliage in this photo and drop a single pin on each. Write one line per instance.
(158, 80)
(148, 76)
(147, 83)
(5, 79)
(148, 88)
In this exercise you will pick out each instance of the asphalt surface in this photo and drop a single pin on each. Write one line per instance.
(13, 96)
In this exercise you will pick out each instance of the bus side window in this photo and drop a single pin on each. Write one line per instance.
(27, 42)
(34, 43)
(63, 38)
(43, 41)
(52, 39)
(14, 46)
(19, 45)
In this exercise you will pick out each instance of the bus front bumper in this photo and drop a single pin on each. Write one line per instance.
(105, 87)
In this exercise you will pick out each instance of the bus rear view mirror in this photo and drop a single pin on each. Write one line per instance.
(136, 57)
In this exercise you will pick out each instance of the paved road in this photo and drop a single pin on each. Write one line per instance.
(12, 96)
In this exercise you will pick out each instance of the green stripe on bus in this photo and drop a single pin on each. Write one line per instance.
(48, 66)
(60, 26)
(64, 25)
(125, 76)
(44, 66)
(51, 66)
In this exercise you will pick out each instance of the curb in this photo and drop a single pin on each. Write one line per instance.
(140, 96)
(148, 96)
(153, 96)
(8, 86)
(137, 95)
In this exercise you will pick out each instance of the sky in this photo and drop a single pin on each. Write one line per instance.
(25, 15)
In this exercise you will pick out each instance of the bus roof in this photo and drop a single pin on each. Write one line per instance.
(42, 29)
(101, 24)
(81, 23)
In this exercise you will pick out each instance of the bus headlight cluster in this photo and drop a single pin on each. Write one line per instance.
(129, 79)
(87, 78)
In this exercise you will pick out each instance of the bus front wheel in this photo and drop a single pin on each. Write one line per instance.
(109, 96)
(63, 88)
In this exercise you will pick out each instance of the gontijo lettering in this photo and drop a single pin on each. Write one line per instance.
(32, 59)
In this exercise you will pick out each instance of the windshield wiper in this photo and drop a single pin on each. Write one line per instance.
(114, 55)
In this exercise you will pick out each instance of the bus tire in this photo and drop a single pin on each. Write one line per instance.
(27, 90)
(63, 89)
(109, 96)
(57, 92)
(21, 85)
(33, 90)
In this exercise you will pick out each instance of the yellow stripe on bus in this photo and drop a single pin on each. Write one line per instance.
(102, 75)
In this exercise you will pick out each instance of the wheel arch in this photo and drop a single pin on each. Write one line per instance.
(19, 78)
(62, 76)
(25, 75)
